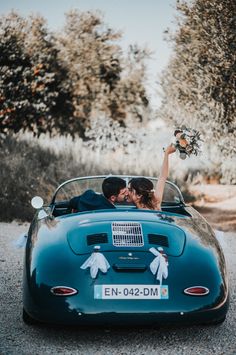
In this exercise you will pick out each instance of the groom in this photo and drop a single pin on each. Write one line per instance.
(114, 190)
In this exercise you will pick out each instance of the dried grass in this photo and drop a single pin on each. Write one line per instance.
(32, 167)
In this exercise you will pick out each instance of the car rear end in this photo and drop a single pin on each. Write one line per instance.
(127, 268)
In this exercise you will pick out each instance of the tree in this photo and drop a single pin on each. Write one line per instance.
(15, 75)
(97, 68)
(59, 82)
(130, 90)
(51, 92)
(31, 93)
(199, 82)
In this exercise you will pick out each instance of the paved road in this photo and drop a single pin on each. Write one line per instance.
(18, 338)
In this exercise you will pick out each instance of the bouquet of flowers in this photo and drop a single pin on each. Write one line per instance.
(187, 142)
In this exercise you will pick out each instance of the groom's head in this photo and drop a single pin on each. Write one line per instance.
(114, 189)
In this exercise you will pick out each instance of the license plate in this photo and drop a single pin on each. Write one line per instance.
(127, 292)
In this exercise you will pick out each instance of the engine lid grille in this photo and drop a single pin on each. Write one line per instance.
(127, 234)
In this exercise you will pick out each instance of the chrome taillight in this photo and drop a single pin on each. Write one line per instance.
(63, 291)
(196, 291)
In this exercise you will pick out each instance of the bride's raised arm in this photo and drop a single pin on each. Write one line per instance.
(159, 190)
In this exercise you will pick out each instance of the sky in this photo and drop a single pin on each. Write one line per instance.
(141, 21)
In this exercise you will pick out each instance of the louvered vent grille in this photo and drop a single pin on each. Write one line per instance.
(127, 234)
(97, 238)
(158, 239)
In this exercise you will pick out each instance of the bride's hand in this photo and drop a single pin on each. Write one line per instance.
(170, 149)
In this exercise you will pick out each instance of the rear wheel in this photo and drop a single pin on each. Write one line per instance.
(219, 321)
(27, 319)
(216, 322)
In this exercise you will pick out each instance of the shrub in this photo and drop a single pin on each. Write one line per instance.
(28, 170)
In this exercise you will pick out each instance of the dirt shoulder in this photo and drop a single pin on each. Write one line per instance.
(217, 203)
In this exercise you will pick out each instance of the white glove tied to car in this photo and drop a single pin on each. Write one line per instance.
(96, 262)
(159, 266)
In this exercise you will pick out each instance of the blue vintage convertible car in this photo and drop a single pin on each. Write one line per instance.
(122, 266)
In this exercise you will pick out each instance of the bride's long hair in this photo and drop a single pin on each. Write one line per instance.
(144, 187)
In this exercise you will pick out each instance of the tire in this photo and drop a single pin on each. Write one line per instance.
(219, 321)
(216, 322)
(27, 319)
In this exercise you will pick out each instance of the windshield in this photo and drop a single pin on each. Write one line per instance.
(75, 187)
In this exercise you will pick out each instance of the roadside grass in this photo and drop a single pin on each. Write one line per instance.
(27, 170)
(32, 167)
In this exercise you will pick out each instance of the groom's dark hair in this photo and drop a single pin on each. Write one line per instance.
(112, 186)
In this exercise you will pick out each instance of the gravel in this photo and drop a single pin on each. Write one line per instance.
(19, 338)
